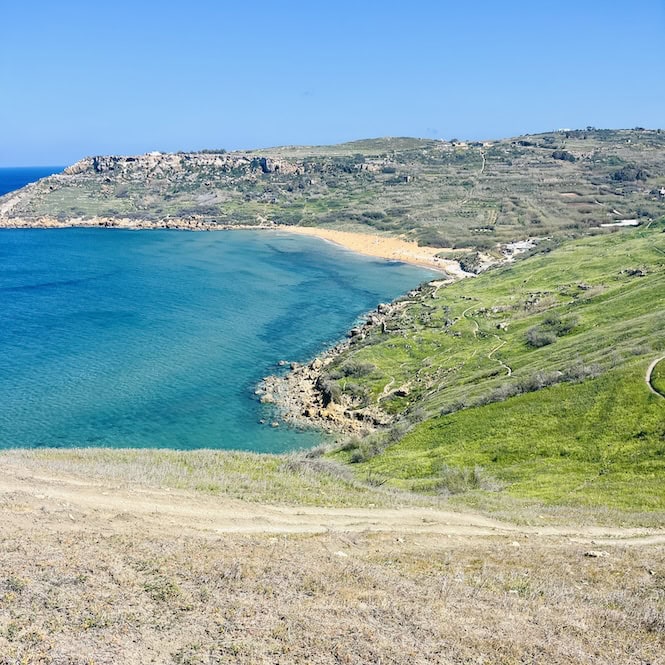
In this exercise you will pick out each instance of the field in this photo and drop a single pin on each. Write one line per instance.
(529, 379)
(600, 443)
(108, 558)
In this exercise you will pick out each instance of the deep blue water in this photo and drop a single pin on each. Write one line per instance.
(17, 177)
(158, 338)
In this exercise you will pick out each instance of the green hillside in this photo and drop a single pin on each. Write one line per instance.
(597, 443)
(534, 372)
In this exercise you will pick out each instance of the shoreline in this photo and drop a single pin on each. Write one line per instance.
(389, 248)
(298, 394)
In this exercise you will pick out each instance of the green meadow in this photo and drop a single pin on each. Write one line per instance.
(527, 381)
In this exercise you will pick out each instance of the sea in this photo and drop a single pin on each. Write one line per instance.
(122, 338)
(17, 177)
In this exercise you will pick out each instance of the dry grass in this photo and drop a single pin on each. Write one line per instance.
(101, 598)
(298, 478)
(94, 569)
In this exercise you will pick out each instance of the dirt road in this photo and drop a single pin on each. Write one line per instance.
(71, 503)
(104, 571)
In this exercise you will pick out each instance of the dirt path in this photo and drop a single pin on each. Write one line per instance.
(502, 342)
(72, 503)
(386, 389)
(470, 318)
(649, 372)
(437, 285)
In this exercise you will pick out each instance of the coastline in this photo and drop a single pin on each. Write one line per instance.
(380, 247)
(298, 394)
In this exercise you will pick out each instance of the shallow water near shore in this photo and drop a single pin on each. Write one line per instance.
(158, 338)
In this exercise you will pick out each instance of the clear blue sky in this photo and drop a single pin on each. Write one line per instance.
(85, 77)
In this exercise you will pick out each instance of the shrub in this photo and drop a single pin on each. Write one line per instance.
(537, 337)
(470, 262)
(553, 326)
(629, 174)
(358, 392)
(554, 323)
(579, 372)
(432, 238)
(330, 391)
(365, 451)
(356, 369)
(563, 155)
(397, 431)
(352, 443)
(456, 480)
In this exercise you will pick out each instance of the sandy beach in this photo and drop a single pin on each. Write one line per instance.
(383, 247)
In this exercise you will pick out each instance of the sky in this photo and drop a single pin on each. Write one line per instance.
(84, 78)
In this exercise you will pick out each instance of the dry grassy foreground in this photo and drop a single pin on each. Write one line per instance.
(95, 571)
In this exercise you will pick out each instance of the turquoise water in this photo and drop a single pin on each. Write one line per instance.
(158, 338)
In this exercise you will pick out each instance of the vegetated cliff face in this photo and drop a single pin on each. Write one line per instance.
(437, 192)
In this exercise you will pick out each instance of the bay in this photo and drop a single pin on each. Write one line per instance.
(158, 338)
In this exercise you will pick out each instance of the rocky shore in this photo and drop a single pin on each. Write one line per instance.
(302, 395)
(182, 224)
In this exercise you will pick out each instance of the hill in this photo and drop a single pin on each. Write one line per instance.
(113, 556)
(533, 392)
(528, 379)
(445, 194)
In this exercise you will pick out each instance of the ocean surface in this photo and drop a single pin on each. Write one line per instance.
(17, 177)
(158, 338)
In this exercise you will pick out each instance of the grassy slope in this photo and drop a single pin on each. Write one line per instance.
(601, 442)
(450, 349)
(591, 443)
(298, 479)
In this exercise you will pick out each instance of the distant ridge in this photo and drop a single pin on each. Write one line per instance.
(456, 194)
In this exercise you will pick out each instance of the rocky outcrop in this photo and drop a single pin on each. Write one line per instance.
(303, 395)
(238, 163)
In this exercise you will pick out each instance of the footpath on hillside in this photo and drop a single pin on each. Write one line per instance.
(649, 376)
(73, 503)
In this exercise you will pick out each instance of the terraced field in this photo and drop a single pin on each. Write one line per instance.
(441, 193)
